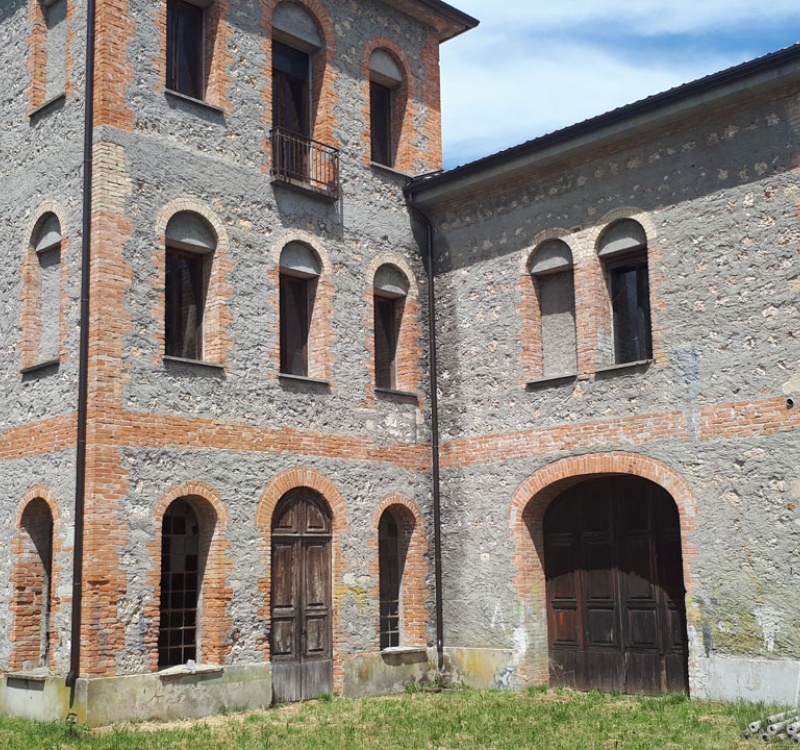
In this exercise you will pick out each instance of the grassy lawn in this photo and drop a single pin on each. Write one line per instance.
(468, 719)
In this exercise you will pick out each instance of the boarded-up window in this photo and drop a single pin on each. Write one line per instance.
(551, 267)
(47, 245)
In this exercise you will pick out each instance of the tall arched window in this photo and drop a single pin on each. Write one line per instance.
(190, 245)
(33, 587)
(390, 289)
(391, 561)
(184, 549)
(299, 271)
(622, 248)
(385, 111)
(47, 246)
(551, 269)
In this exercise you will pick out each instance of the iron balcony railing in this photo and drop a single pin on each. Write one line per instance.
(299, 160)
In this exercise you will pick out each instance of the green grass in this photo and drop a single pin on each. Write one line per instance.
(468, 719)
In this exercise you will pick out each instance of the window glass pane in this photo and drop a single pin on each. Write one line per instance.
(290, 94)
(185, 49)
(630, 301)
(294, 324)
(380, 123)
(184, 302)
(385, 342)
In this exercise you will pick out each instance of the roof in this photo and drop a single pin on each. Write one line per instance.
(771, 70)
(447, 20)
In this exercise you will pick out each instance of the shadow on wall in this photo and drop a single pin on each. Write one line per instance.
(9, 7)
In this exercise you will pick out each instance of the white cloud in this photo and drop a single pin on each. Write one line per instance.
(533, 67)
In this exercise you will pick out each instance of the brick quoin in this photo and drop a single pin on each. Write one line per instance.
(290, 479)
(528, 506)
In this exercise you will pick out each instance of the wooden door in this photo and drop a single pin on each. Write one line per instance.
(302, 659)
(615, 597)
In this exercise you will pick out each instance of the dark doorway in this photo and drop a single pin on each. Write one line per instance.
(302, 661)
(615, 595)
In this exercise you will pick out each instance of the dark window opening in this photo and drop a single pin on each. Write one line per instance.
(291, 78)
(184, 304)
(630, 303)
(180, 585)
(186, 48)
(390, 572)
(296, 299)
(380, 109)
(387, 318)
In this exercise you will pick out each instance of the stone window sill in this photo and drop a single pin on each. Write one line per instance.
(378, 167)
(51, 105)
(193, 366)
(391, 394)
(183, 670)
(551, 380)
(200, 103)
(288, 379)
(41, 367)
(623, 366)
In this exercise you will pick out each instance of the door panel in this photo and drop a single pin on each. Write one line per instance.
(302, 663)
(615, 596)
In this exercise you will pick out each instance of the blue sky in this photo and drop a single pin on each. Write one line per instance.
(534, 66)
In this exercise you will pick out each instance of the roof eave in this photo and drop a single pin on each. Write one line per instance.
(447, 20)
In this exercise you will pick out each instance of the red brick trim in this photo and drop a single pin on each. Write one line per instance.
(214, 622)
(528, 505)
(25, 645)
(289, 479)
(413, 591)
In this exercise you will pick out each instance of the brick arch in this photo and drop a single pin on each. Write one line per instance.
(25, 573)
(617, 214)
(30, 293)
(409, 345)
(529, 504)
(290, 479)
(214, 622)
(320, 356)
(323, 76)
(403, 111)
(413, 546)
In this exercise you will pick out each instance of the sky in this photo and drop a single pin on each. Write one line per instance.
(534, 66)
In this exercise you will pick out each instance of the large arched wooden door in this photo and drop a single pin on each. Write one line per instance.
(302, 659)
(615, 597)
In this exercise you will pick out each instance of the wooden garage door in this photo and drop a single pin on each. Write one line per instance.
(615, 595)
(302, 663)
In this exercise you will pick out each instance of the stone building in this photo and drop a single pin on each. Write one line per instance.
(252, 450)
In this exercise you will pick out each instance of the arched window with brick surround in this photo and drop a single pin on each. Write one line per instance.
(190, 246)
(387, 103)
(622, 249)
(552, 275)
(300, 269)
(390, 290)
(32, 582)
(186, 531)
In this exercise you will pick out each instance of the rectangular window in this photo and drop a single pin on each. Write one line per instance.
(295, 307)
(380, 116)
(291, 78)
(186, 48)
(630, 303)
(386, 320)
(184, 304)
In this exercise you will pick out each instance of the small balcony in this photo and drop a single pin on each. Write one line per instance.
(305, 163)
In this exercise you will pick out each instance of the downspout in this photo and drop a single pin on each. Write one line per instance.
(83, 357)
(434, 381)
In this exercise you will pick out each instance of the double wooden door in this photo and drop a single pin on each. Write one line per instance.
(615, 594)
(302, 663)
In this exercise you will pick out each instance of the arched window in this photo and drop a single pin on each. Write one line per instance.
(47, 246)
(184, 548)
(622, 249)
(385, 115)
(390, 289)
(391, 560)
(299, 272)
(551, 270)
(33, 587)
(190, 245)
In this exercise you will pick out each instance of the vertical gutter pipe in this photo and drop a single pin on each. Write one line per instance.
(83, 356)
(434, 386)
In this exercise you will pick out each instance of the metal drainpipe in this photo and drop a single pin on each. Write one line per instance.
(437, 505)
(83, 357)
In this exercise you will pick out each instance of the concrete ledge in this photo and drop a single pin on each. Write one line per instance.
(387, 671)
(731, 678)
